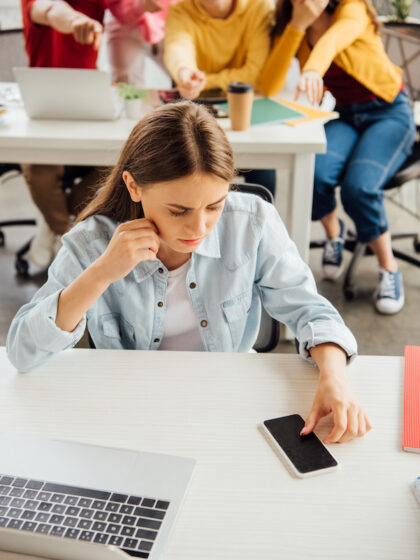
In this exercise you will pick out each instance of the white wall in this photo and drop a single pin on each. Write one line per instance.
(10, 17)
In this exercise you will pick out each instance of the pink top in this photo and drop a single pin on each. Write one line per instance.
(130, 13)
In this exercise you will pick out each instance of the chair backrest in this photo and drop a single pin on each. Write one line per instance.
(268, 336)
(253, 188)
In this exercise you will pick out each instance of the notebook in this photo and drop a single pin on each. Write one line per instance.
(310, 114)
(267, 111)
(67, 93)
(411, 419)
(67, 500)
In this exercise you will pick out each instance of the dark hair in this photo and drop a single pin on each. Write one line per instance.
(283, 14)
(170, 142)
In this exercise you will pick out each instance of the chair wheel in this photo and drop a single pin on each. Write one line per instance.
(349, 293)
(1, 239)
(416, 244)
(22, 267)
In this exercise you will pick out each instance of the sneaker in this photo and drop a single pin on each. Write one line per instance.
(332, 256)
(41, 252)
(389, 296)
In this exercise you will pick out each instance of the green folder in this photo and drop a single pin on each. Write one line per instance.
(267, 111)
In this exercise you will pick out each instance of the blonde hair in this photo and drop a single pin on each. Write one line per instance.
(170, 142)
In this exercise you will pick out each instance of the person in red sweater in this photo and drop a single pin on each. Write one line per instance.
(59, 34)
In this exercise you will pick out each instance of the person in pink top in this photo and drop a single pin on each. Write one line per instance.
(135, 28)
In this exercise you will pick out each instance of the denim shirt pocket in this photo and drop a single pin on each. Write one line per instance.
(115, 327)
(235, 311)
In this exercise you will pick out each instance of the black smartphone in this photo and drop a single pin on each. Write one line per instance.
(304, 455)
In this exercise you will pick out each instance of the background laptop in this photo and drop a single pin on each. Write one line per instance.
(66, 500)
(67, 93)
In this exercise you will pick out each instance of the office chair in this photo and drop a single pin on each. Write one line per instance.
(409, 171)
(268, 336)
(72, 174)
(20, 264)
(269, 328)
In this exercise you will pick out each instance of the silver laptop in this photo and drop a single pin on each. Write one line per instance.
(67, 93)
(65, 500)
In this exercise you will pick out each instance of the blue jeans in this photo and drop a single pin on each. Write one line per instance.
(365, 147)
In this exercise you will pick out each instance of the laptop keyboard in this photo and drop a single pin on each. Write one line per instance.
(128, 522)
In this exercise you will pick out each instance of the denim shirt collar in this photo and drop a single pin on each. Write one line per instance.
(210, 247)
(145, 269)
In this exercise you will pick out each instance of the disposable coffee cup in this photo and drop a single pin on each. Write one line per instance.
(240, 96)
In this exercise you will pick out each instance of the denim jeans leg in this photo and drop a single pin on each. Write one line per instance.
(380, 151)
(341, 138)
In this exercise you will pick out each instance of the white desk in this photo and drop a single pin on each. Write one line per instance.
(242, 503)
(99, 143)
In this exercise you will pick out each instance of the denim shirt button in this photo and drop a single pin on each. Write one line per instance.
(193, 285)
(161, 270)
(203, 323)
(156, 340)
(160, 303)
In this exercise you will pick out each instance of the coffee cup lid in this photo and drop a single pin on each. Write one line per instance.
(239, 87)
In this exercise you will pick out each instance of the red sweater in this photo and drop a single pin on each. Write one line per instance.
(49, 48)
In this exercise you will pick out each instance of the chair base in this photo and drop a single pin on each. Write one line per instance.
(359, 250)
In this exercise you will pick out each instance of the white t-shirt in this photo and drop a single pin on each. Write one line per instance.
(181, 325)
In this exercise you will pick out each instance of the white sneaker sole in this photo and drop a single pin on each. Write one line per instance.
(388, 306)
(331, 272)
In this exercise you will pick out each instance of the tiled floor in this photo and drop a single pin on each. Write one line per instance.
(376, 334)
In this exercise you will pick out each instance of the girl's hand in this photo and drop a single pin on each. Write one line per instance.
(311, 83)
(334, 395)
(305, 12)
(86, 31)
(131, 243)
(190, 82)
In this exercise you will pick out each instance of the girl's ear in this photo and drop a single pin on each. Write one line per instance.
(132, 187)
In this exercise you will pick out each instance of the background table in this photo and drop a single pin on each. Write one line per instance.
(279, 147)
(242, 503)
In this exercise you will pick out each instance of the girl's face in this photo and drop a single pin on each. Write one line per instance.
(183, 210)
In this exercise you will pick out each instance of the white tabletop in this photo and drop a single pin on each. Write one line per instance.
(242, 503)
(99, 142)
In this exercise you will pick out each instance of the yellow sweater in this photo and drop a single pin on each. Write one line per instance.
(226, 50)
(351, 42)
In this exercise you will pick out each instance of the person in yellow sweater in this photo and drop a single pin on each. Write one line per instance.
(338, 46)
(211, 43)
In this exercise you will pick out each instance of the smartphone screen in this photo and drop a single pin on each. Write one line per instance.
(306, 453)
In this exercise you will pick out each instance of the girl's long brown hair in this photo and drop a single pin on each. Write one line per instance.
(170, 142)
(283, 15)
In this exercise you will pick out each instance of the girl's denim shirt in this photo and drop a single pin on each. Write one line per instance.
(247, 258)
